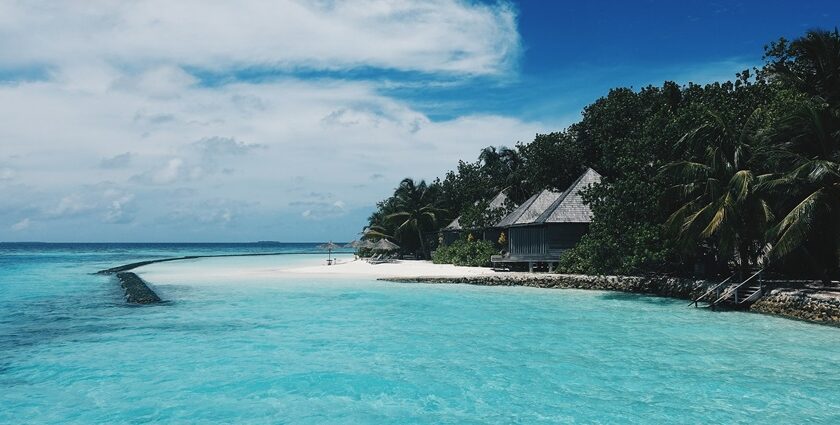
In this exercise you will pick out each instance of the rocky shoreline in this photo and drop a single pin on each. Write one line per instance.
(801, 304)
(654, 285)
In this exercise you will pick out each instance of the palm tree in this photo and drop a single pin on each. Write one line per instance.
(810, 64)
(717, 192)
(514, 181)
(809, 141)
(504, 167)
(414, 209)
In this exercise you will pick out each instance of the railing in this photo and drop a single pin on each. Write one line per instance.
(754, 296)
(715, 288)
(735, 289)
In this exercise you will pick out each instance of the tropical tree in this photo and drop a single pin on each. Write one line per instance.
(809, 64)
(717, 192)
(460, 188)
(551, 161)
(807, 142)
(414, 210)
(809, 194)
(504, 169)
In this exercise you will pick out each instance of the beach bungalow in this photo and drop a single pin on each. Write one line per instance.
(454, 229)
(547, 224)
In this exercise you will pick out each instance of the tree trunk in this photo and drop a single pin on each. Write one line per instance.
(744, 257)
(422, 244)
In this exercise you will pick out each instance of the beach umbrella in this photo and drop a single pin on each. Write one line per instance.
(359, 244)
(329, 246)
(385, 245)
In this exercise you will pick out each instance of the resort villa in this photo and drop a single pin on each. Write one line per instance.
(546, 224)
(454, 229)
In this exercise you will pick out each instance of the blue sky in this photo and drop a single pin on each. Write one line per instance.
(288, 120)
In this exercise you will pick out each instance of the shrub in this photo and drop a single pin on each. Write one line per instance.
(465, 253)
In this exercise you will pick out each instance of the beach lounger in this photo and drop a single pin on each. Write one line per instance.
(384, 259)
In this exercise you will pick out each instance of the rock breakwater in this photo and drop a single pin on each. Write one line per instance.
(136, 289)
(804, 304)
(653, 285)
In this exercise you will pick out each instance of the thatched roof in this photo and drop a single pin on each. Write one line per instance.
(555, 207)
(497, 202)
(385, 245)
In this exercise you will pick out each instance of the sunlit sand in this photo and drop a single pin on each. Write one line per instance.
(270, 269)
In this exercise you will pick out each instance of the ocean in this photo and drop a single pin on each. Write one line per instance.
(332, 350)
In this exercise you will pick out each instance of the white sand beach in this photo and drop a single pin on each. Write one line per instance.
(399, 268)
(265, 270)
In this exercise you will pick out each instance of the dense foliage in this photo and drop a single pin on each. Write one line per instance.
(717, 177)
(465, 252)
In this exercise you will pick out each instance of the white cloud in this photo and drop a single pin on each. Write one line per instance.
(162, 81)
(21, 225)
(70, 206)
(323, 210)
(265, 153)
(169, 172)
(119, 208)
(132, 129)
(413, 35)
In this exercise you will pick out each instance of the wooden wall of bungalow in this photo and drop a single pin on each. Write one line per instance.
(545, 241)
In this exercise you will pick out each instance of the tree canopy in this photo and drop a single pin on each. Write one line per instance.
(729, 174)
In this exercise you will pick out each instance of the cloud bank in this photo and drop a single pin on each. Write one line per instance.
(421, 35)
(111, 132)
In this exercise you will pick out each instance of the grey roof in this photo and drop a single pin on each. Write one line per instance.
(530, 210)
(497, 202)
(455, 225)
(570, 208)
(555, 207)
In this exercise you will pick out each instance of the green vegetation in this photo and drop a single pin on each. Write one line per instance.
(412, 211)
(465, 252)
(727, 175)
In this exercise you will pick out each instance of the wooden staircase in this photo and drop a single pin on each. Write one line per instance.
(733, 295)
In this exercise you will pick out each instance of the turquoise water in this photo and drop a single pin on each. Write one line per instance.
(326, 350)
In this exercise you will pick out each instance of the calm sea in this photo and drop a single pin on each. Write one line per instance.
(352, 350)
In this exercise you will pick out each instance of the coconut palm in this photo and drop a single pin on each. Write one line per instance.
(811, 64)
(716, 193)
(504, 167)
(809, 141)
(414, 210)
(514, 181)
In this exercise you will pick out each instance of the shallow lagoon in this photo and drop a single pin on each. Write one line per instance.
(333, 350)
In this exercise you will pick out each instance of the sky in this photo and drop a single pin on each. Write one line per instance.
(205, 121)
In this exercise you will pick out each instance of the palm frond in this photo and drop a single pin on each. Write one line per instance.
(685, 171)
(795, 227)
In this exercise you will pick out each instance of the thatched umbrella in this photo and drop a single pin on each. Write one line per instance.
(359, 244)
(385, 245)
(329, 246)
